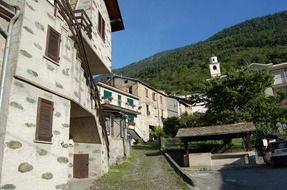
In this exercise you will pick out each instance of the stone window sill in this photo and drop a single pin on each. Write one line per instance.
(42, 142)
(51, 60)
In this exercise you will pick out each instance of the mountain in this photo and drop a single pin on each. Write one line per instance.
(184, 70)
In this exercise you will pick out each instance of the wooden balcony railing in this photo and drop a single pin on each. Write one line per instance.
(84, 21)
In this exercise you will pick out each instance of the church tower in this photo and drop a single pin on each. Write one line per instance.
(214, 67)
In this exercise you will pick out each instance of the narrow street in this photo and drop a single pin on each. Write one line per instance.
(146, 169)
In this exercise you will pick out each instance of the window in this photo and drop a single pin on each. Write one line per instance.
(53, 44)
(107, 94)
(153, 96)
(101, 26)
(130, 102)
(160, 99)
(131, 89)
(214, 67)
(119, 100)
(44, 120)
(146, 92)
(147, 110)
(131, 119)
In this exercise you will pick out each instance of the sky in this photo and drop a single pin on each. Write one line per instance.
(152, 26)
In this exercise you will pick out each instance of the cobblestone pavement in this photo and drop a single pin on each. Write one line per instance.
(146, 170)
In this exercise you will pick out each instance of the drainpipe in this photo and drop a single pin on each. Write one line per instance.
(6, 52)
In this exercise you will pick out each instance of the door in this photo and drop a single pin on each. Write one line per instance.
(81, 166)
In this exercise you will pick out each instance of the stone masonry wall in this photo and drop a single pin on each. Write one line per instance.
(27, 164)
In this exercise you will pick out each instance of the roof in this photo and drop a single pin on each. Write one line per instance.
(183, 101)
(269, 66)
(215, 130)
(139, 81)
(115, 15)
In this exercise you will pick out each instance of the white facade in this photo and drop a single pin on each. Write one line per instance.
(32, 76)
(279, 72)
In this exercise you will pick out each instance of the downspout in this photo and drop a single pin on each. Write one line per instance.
(6, 52)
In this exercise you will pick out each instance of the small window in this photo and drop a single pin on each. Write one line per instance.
(131, 89)
(130, 102)
(53, 44)
(44, 120)
(101, 26)
(147, 110)
(153, 96)
(161, 99)
(214, 67)
(119, 100)
(107, 94)
(146, 92)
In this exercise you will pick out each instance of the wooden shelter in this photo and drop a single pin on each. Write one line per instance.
(217, 132)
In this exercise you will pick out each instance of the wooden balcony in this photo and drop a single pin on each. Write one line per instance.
(84, 21)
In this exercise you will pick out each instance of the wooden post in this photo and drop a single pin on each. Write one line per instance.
(186, 156)
(186, 147)
(248, 142)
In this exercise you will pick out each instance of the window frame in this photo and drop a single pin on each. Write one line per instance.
(146, 92)
(101, 26)
(154, 96)
(54, 58)
(38, 137)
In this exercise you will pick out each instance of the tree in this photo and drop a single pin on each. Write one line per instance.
(240, 97)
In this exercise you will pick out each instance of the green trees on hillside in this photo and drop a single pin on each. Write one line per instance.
(184, 70)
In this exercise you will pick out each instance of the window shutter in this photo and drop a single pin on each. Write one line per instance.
(130, 102)
(53, 44)
(101, 26)
(44, 120)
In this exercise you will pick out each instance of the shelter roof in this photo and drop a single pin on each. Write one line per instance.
(215, 130)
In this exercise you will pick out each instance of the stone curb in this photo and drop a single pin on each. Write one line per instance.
(178, 169)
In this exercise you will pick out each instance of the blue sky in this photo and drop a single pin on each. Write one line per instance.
(152, 26)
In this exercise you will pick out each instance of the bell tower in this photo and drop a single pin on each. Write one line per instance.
(214, 67)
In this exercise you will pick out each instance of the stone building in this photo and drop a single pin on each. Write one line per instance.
(121, 110)
(152, 102)
(177, 106)
(51, 125)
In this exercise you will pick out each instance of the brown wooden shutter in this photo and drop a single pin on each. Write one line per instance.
(44, 120)
(53, 44)
(101, 26)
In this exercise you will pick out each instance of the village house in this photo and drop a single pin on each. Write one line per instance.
(176, 106)
(120, 111)
(152, 104)
(52, 127)
(279, 71)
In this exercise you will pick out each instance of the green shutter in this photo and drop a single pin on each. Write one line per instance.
(130, 102)
(119, 100)
(107, 94)
(131, 118)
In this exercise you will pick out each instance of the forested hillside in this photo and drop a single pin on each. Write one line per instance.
(183, 70)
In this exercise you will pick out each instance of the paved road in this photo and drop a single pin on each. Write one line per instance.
(262, 178)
